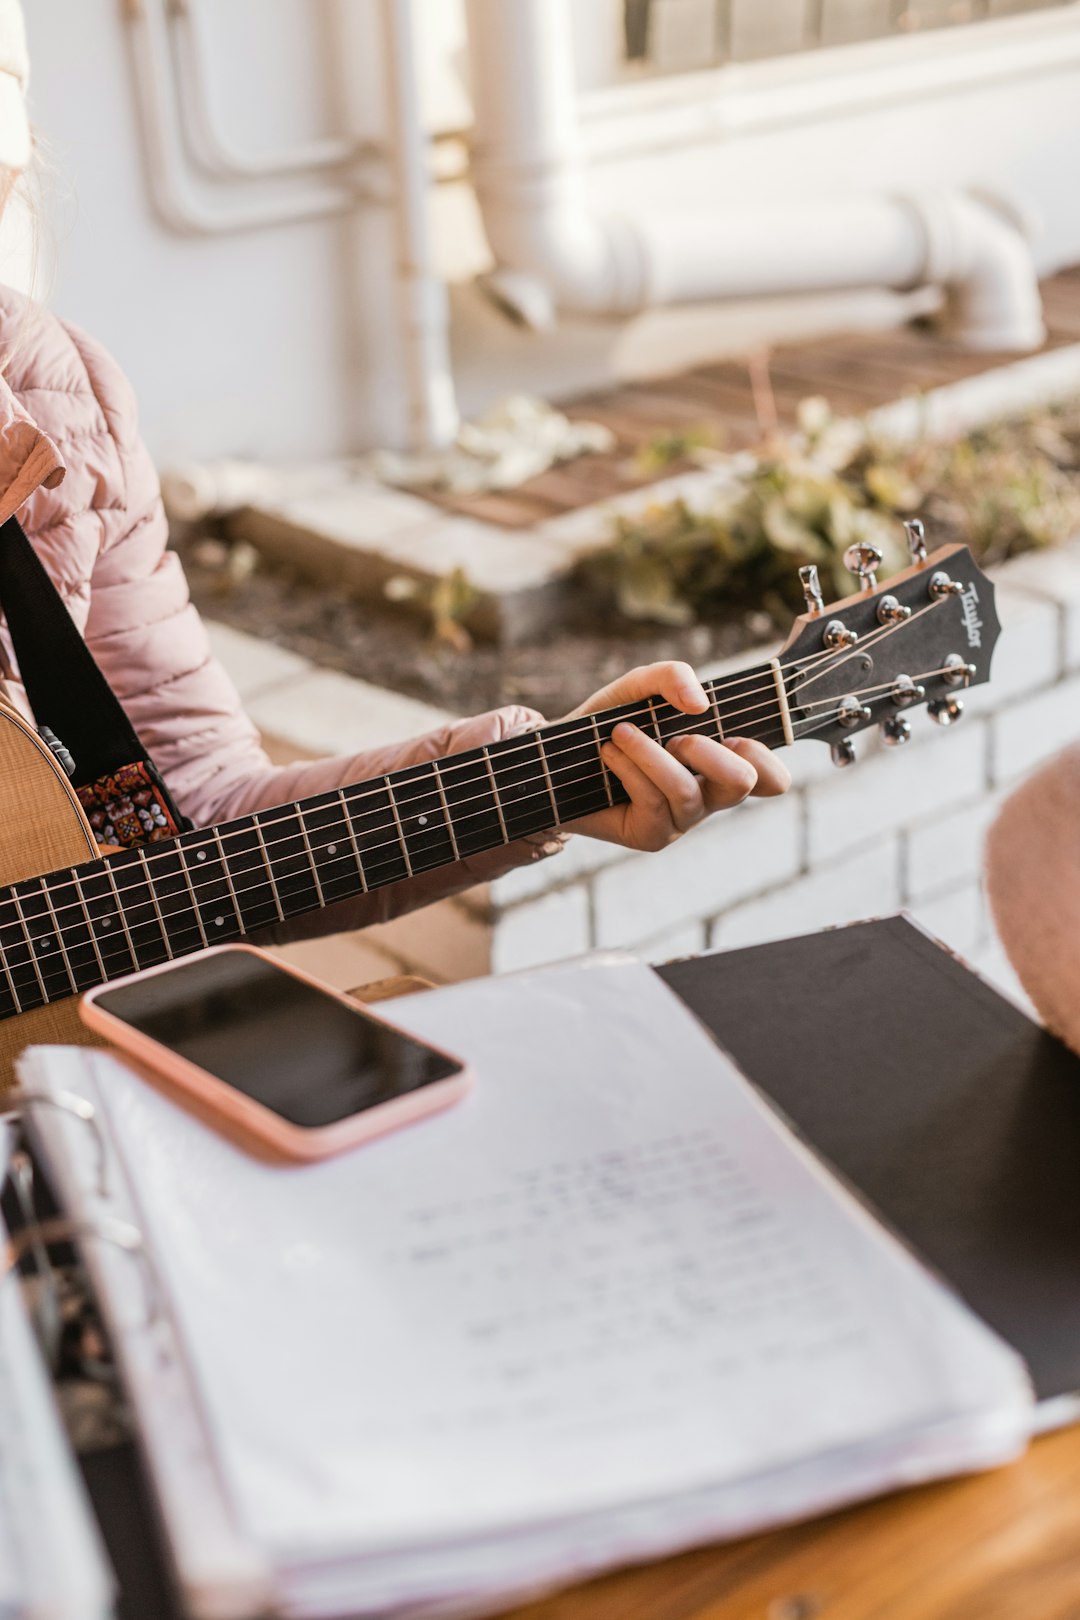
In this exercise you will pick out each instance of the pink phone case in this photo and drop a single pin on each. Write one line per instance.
(246, 1121)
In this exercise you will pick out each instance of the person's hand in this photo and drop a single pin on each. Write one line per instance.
(672, 788)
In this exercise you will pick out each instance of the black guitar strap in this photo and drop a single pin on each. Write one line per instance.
(78, 714)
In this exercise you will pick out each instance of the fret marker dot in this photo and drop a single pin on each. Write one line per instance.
(44, 942)
(106, 922)
(331, 849)
(219, 922)
(200, 855)
(422, 820)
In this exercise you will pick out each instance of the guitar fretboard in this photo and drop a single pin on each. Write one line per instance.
(67, 931)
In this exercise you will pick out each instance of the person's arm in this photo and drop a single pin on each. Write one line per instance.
(153, 649)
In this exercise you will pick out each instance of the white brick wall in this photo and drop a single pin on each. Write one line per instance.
(728, 858)
(904, 827)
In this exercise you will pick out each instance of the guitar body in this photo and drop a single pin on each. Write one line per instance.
(42, 828)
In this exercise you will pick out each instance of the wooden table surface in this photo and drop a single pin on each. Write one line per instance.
(998, 1546)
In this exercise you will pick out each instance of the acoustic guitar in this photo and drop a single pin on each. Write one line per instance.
(71, 918)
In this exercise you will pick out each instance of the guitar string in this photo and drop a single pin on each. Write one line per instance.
(585, 732)
(638, 709)
(345, 858)
(396, 844)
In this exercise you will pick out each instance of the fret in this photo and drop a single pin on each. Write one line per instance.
(91, 934)
(135, 963)
(475, 815)
(421, 817)
(310, 856)
(328, 831)
(108, 926)
(293, 886)
(528, 805)
(446, 809)
(7, 965)
(269, 870)
(397, 823)
(577, 779)
(245, 868)
(63, 901)
(19, 970)
(182, 858)
(59, 933)
(228, 881)
(655, 723)
(156, 904)
(606, 773)
(371, 816)
(172, 897)
(495, 795)
(138, 912)
(30, 946)
(354, 846)
(549, 784)
(20, 967)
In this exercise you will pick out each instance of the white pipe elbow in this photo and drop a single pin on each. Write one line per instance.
(984, 263)
(554, 255)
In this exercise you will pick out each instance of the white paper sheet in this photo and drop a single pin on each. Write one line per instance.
(608, 1277)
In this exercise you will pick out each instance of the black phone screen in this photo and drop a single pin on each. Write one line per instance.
(298, 1051)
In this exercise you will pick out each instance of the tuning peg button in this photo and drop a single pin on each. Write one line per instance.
(946, 711)
(895, 731)
(891, 612)
(916, 539)
(864, 559)
(941, 585)
(842, 753)
(905, 691)
(838, 635)
(815, 602)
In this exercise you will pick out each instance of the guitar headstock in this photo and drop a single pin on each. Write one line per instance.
(920, 639)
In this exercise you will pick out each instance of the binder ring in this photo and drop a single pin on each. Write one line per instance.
(81, 1108)
(60, 1229)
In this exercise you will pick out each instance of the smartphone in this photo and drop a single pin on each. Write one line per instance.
(277, 1060)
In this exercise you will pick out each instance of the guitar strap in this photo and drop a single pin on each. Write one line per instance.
(78, 714)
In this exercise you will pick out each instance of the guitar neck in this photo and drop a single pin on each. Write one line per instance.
(67, 931)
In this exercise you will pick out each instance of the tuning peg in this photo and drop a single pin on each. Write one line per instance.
(905, 691)
(916, 539)
(957, 671)
(864, 559)
(837, 635)
(850, 712)
(895, 731)
(941, 585)
(842, 753)
(946, 711)
(811, 585)
(891, 612)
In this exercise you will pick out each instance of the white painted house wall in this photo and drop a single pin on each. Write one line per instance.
(282, 343)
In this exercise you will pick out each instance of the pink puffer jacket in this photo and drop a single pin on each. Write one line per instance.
(73, 468)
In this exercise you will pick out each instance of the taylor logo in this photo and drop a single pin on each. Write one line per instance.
(972, 623)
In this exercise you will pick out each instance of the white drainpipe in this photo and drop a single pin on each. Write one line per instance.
(554, 252)
(422, 296)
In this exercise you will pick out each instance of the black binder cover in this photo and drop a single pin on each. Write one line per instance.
(953, 1114)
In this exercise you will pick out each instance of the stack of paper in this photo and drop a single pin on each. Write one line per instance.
(605, 1308)
(51, 1563)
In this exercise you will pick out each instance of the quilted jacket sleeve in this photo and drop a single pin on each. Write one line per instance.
(153, 648)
